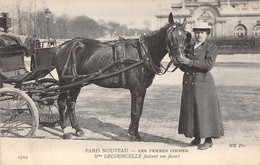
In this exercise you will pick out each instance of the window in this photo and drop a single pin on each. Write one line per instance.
(240, 31)
(256, 30)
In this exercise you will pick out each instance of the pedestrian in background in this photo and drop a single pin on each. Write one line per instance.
(200, 114)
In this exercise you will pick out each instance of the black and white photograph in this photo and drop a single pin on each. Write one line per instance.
(129, 82)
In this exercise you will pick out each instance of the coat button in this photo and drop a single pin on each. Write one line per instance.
(187, 73)
(193, 73)
(185, 82)
(192, 83)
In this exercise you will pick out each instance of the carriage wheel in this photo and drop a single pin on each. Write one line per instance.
(48, 107)
(18, 114)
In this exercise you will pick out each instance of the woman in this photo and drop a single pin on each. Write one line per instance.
(200, 113)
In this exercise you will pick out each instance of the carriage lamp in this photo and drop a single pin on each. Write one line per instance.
(5, 21)
(48, 16)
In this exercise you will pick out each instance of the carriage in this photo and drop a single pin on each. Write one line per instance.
(21, 111)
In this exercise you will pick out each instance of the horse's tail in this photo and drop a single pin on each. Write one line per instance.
(71, 48)
(76, 45)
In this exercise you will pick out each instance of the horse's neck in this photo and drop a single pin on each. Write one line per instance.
(156, 43)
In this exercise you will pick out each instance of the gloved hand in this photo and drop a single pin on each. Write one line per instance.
(183, 60)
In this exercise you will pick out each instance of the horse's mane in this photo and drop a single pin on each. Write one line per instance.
(87, 41)
(154, 36)
(156, 32)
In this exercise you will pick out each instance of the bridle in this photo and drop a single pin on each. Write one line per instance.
(169, 44)
(160, 70)
(178, 47)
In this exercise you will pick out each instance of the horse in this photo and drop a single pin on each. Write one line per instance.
(82, 56)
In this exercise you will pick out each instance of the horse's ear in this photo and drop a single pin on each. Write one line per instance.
(184, 23)
(170, 19)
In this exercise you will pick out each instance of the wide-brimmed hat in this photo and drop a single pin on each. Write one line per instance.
(202, 26)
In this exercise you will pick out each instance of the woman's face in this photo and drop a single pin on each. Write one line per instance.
(200, 35)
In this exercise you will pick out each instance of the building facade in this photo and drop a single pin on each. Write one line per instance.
(237, 18)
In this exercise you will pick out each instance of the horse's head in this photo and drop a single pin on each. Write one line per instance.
(177, 39)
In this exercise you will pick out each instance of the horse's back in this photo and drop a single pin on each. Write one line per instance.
(105, 55)
(98, 59)
(95, 56)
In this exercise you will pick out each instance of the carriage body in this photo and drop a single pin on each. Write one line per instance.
(19, 105)
(13, 68)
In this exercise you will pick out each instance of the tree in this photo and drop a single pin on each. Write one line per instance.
(18, 8)
(27, 22)
(83, 26)
(60, 27)
(40, 24)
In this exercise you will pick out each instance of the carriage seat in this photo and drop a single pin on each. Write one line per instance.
(12, 64)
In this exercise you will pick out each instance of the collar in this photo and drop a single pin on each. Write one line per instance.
(200, 45)
(197, 45)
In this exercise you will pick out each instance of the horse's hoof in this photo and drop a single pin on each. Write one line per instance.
(80, 133)
(67, 136)
(135, 138)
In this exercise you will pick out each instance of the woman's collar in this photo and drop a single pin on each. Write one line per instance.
(199, 44)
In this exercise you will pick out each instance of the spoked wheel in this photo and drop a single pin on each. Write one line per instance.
(47, 104)
(18, 114)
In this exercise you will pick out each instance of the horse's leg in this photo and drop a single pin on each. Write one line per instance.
(62, 99)
(137, 101)
(71, 102)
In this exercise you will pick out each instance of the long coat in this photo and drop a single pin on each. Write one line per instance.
(200, 113)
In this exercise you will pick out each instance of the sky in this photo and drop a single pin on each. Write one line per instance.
(132, 13)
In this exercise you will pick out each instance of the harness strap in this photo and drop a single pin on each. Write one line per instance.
(153, 67)
(88, 79)
(120, 48)
(168, 66)
(72, 57)
(140, 54)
